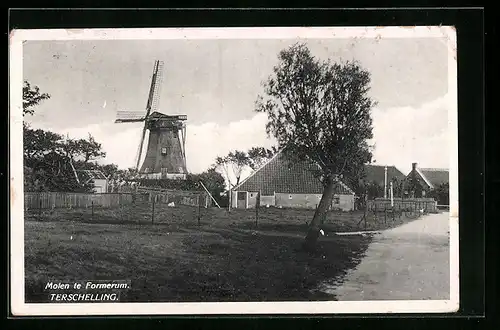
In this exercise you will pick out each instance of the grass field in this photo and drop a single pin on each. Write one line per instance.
(227, 257)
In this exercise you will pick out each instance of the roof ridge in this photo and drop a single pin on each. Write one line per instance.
(378, 165)
(434, 169)
(419, 171)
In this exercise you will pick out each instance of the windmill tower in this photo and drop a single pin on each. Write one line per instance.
(165, 155)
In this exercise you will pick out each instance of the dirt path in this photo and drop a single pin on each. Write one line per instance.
(410, 262)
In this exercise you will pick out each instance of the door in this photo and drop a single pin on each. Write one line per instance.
(241, 200)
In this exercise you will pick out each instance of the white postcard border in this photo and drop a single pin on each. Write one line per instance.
(20, 308)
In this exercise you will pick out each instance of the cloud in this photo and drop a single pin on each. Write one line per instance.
(204, 142)
(402, 135)
(207, 141)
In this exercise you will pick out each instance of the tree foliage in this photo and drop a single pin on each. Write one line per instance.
(233, 163)
(120, 180)
(441, 194)
(83, 150)
(51, 160)
(32, 97)
(320, 111)
(213, 181)
(257, 156)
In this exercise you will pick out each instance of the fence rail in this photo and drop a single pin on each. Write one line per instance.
(51, 200)
(413, 204)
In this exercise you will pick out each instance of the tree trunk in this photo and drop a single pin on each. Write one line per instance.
(314, 228)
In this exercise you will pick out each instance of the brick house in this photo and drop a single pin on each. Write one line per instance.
(376, 174)
(283, 183)
(422, 180)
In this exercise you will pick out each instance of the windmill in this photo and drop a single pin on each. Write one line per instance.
(165, 155)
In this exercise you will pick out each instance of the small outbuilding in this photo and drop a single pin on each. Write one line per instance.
(98, 178)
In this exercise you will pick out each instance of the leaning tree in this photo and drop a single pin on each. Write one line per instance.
(319, 111)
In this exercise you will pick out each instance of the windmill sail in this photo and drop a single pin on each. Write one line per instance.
(153, 102)
(155, 99)
(130, 116)
(141, 143)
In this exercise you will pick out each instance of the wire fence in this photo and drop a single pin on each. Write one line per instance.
(195, 208)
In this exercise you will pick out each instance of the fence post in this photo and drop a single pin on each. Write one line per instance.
(39, 207)
(257, 205)
(385, 214)
(92, 206)
(199, 209)
(153, 212)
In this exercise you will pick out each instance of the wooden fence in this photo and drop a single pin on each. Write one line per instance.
(51, 200)
(429, 205)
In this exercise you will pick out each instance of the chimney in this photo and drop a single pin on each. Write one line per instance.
(413, 166)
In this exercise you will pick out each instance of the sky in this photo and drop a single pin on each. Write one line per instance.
(216, 82)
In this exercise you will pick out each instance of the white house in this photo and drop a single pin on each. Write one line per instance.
(97, 177)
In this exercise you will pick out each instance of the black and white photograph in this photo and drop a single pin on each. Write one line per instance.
(234, 171)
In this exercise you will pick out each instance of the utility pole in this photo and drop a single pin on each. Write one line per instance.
(391, 194)
(385, 182)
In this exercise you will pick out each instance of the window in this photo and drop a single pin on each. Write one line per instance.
(251, 194)
(163, 151)
(290, 196)
(336, 200)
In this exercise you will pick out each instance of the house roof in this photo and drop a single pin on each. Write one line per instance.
(87, 175)
(434, 177)
(376, 173)
(283, 176)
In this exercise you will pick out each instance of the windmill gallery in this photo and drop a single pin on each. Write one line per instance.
(165, 157)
